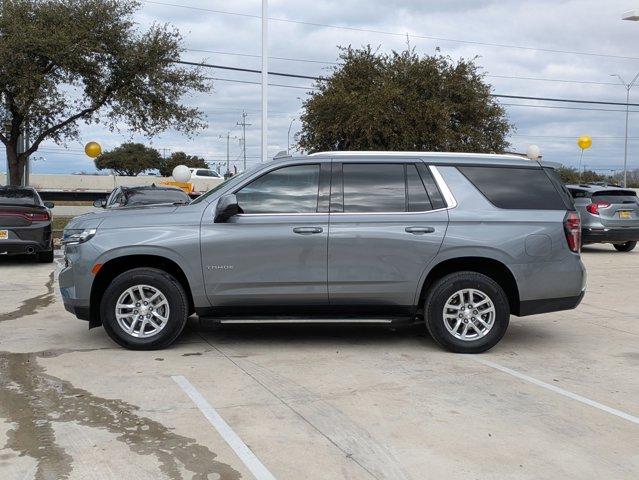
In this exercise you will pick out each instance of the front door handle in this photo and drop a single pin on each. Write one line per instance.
(419, 230)
(308, 230)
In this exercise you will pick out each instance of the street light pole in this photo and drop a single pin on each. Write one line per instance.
(288, 136)
(264, 80)
(627, 86)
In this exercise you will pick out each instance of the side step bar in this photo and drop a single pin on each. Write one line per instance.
(266, 320)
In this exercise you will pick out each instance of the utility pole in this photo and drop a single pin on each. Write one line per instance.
(243, 124)
(228, 160)
(627, 86)
(264, 80)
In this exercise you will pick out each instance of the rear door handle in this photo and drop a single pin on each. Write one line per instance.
(307, 230)
(419, 230)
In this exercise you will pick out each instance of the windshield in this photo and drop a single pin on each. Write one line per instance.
(231, 181)
(155, 196)
(17, 196)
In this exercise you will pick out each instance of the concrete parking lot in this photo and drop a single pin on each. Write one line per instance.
(557, 398)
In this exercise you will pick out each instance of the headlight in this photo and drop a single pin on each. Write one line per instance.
(75, 236)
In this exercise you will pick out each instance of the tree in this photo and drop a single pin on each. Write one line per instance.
(129, 159)
(180, 158)
(401, 101)
(64, 61)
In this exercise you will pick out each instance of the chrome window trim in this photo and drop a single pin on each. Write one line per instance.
(449, 198)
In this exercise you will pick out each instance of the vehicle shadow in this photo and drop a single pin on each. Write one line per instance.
(318, 334)
(599, 249)
(14, 260)
(519, 334)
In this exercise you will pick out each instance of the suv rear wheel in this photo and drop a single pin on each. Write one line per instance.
(144, 309)
(625, 247)
(466, 312)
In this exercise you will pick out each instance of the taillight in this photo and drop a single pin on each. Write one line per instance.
(38, 217)
(32, 217)
(572, 228)
(594, 207)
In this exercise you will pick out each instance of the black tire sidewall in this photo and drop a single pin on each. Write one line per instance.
(441, 292)
(625, 247)
(45, 257)
(170, 288)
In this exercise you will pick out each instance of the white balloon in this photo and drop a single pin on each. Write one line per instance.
(533, 152)
(181, 173)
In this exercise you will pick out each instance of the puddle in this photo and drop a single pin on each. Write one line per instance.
(31, 400)
(33, 304)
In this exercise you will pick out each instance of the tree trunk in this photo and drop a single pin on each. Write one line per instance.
(16, 167)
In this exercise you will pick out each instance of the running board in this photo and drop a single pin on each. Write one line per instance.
(301, 320)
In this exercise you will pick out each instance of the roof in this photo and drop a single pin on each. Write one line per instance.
(152, 187)
(598, 188)
(451, 155)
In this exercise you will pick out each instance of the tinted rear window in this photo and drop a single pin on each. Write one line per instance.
(615, 196)
(374, 187)
(18, 196)
(515, 188)
(153, 197)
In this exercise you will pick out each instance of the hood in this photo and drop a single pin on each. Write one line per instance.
(113, 217)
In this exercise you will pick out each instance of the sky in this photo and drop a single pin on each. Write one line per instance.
(540, 48)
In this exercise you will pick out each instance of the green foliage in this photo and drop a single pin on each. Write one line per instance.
(63, 61)
(401, 101)
(571, 175)
(129, 159)
(181, 158)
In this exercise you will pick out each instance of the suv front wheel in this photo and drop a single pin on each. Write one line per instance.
(144, 309)
(466, 312)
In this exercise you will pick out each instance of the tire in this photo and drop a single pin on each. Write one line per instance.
(45, 257)
(447, 289)
(173, 305)
(625, 247)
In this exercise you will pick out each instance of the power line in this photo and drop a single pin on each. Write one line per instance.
(397, 34)
(294, 75)
(324, 62)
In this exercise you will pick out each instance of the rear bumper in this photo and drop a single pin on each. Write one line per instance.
(534, 307)
(21, 247)
(610, 235)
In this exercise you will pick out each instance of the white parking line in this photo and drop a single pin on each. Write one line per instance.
(256, 467)
(560, 391)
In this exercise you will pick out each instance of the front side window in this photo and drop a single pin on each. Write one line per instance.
(291, 189)
(374, 187)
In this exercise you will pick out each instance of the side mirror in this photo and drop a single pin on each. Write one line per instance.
(49, 204)
(226, 208)
(99, 203)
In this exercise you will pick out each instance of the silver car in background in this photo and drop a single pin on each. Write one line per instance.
(609, 214)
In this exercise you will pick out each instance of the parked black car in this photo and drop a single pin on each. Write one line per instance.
(145, 195)
(25, 223)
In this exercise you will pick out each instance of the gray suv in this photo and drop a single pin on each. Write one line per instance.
(609, 214)
(457, 241)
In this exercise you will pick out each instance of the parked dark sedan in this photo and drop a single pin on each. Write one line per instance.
(146, 195)
(25, 223)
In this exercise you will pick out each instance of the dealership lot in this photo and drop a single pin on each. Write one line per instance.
(557, 398)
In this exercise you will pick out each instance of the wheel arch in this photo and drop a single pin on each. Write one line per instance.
(490, 267)
(115, 266)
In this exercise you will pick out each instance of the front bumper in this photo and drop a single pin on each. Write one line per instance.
(72, 302)
(610, 235)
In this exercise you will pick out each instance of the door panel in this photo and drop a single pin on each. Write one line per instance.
(374, 260)
(379, 244)
(261, 260)
(276, 252)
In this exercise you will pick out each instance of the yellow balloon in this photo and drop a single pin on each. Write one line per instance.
(584, 142)
(93, 149)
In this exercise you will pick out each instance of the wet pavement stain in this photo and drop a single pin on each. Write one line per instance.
(33, 304)
(32, 401)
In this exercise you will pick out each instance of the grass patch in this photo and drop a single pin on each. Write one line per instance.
(58, 223)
